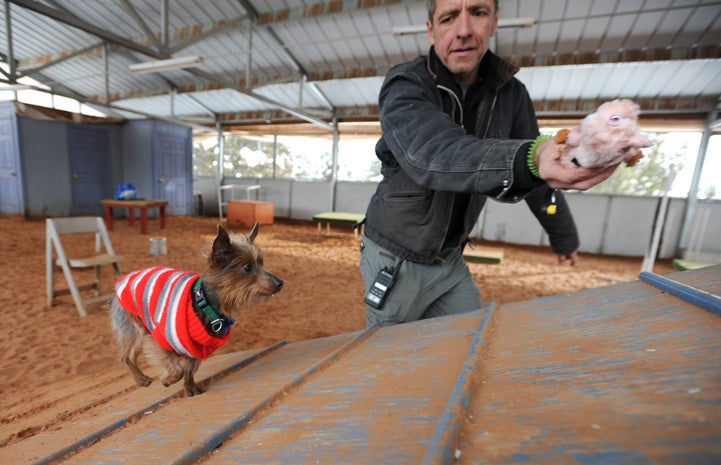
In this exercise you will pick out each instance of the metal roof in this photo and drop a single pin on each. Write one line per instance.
(293, 60)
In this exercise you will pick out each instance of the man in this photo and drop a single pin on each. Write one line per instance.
(457, 128)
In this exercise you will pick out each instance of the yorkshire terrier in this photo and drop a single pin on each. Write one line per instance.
(178, 318)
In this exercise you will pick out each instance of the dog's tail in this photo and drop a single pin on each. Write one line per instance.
(120, 321)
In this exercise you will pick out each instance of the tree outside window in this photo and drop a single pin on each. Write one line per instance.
(310, 158)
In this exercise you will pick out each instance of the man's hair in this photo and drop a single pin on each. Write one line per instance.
(432, 8)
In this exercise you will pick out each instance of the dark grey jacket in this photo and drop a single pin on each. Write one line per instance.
(442, 155)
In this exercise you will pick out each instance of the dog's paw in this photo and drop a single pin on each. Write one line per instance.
(193, 390)
(144, 381)
(172, 379)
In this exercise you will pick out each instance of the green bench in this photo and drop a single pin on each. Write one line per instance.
(350, 219)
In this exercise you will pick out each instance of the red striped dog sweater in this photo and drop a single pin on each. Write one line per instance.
(162, 298)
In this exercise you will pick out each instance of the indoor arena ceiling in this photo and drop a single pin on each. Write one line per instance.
(279, 61)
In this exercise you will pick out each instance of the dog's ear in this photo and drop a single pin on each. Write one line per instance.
(254, 232)
(222, 249)
(223, 234)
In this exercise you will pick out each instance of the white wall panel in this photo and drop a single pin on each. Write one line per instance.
(611, 225)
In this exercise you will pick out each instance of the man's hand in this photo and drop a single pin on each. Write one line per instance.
(571, 257)
(559, 176)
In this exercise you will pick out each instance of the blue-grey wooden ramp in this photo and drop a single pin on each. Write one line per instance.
(625, 374)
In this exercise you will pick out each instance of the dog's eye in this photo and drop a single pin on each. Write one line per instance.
(248, 268)
(616, 118)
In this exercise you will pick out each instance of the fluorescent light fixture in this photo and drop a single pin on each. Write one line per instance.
(516, 22)
(502, 23)
(408, 30)
(16, 86)
(163, 65)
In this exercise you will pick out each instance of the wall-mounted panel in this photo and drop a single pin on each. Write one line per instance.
(309, 198)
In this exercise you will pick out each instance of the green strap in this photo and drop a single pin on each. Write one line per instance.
(531, 158)
(215, 320)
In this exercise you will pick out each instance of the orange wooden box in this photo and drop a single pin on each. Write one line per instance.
(244, 213)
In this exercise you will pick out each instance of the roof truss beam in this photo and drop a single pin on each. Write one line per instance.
(144, 26)
(617, 56)
(72, 20)
(544, 109)
(31, 70)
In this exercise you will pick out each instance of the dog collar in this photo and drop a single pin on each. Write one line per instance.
(217, 323)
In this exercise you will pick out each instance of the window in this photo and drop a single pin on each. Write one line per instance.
(290, 157)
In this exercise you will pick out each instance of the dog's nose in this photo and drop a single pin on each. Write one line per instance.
(277, 283)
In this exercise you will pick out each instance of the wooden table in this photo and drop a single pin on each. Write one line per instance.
(131, 205)
(351, 219)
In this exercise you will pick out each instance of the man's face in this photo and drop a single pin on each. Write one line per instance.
(461, 32)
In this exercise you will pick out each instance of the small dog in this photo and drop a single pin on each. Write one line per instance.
(178, 318)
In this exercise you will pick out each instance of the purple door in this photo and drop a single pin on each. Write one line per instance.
(11, 199)
(173, 168)
(89, 153)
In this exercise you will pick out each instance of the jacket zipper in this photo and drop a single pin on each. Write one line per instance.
(459, 105)
(490, 115)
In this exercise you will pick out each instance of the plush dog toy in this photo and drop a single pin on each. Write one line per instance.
(606, 137)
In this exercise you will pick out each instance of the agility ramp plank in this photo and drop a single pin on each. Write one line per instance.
(381, 404)
(113, 406)
(624, 374)
(193, 426)
(40, 411)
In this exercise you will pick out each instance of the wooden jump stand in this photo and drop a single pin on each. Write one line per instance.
(232, 188)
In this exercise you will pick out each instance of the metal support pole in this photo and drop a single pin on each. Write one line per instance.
(250, 57)
(301, 85)
(164, 16)
(221, 153)
(692, 198)
(650, 258)
(9, 39)
(275, 154)
(334, 166)
(106, 71)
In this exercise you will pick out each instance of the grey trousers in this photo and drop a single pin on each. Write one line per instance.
(420, 290)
